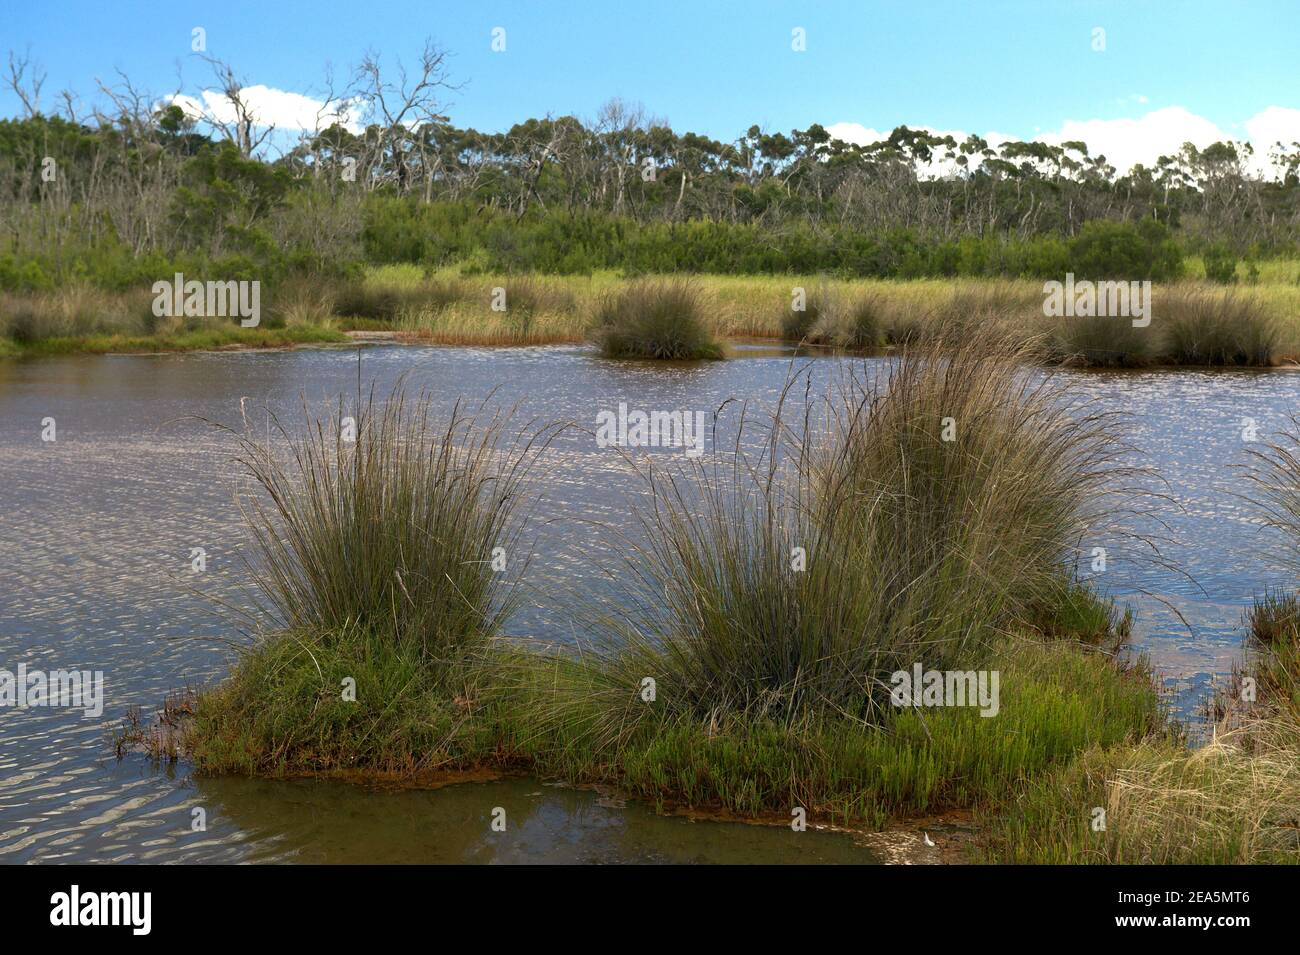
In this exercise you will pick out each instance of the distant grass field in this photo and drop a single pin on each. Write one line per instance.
(740, 307)
(446, 306)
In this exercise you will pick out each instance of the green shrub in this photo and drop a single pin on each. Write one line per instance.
(1220, 264)
(1121, 250)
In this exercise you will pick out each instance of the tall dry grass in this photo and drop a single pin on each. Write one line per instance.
(79, 312)
(1210, 327)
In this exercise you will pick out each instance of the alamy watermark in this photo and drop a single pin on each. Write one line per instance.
(655, 429)
(25, 689)
(923, 687)
(1088, 299)
(75, 907)
(194, 299)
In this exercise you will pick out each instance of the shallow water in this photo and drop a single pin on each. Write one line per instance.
(94, 574)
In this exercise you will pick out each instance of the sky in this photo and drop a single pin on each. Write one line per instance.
(1133, 79)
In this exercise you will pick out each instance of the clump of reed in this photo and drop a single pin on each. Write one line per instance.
(527, 295)
(855, 324)
(1232, 801)
(655, 318)
(387, 548)
(360, 299)
(1209, 327)
(970, 310)
(775, 588)
(1074, 611)
(1274, 617)
(1273, 476)
(387, 519)
(76, 311)
(799, 317)
(1272, 659)
(982, 308)
(524, 299)
(1096, 341)
(301, 301)
(975, 480)
(381, 301)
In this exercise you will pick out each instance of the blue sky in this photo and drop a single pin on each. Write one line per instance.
(1017, 67)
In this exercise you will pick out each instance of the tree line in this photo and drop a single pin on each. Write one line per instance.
(115, 193)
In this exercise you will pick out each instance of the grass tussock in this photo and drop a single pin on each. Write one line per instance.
(803, 312)
(981, 308)
(853, 323)
(1274, 617)
(1273, 657)
(1205, 327)
(1189, 325)
(974, 479)
(382, 301)
(778, 589)
(387, 519)
(1102, 342)
(388, 555)
(657, 319)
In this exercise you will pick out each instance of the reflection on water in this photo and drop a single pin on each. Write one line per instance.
(94, 574)
(308, 821)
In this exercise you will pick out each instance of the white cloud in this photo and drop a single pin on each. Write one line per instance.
(1127, 141)
(272, 107)
(1277, 124)
(855, 133)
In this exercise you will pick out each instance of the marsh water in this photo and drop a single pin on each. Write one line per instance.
(97, 530)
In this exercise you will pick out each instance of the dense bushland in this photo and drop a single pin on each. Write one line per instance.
(144, 189)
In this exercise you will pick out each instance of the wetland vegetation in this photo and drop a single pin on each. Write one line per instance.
(544, 232)
(930, 518)
(773, 597)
